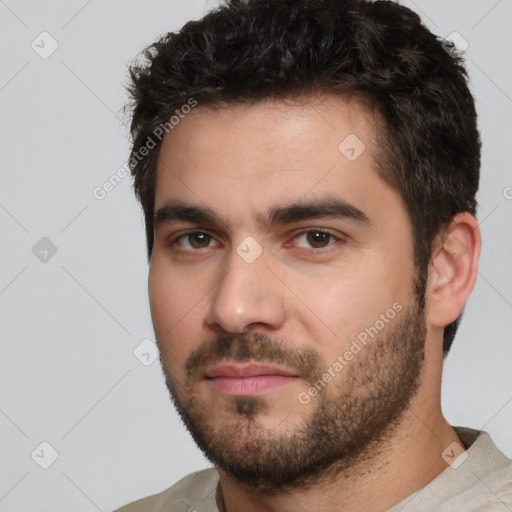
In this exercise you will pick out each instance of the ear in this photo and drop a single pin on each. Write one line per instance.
(453, 270)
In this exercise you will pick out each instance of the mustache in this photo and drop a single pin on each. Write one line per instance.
(261, 348)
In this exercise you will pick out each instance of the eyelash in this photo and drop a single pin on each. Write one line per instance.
(305, 232)
(174, 240)
(333, 239)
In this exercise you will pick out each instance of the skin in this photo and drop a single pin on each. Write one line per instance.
(240, 162)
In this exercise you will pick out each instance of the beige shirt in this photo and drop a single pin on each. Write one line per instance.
(483, 482)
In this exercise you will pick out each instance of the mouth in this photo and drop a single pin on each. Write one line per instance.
(249, 379)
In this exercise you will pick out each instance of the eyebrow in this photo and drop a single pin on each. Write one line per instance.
(176, 211)
(315, 209)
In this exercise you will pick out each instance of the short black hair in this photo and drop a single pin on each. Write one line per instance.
(251, 50)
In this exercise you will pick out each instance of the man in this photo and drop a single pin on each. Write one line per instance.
(308, 172)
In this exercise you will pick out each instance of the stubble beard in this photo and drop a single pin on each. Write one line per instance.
(353, 416)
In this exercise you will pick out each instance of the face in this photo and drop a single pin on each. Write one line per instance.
(281, 288)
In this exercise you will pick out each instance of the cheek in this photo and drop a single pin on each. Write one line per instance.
(336, 308)
(338, 305)
(175, 309)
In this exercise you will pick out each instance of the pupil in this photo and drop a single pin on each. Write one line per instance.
(318, 239)
(199, 240)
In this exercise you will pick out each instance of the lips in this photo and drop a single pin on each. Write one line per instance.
(247, 370)
(249, 379)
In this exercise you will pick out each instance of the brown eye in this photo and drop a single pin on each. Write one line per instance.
(315, 239)
(196, 240)
(318, 239)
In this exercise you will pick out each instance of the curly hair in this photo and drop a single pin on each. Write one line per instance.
(248, 51)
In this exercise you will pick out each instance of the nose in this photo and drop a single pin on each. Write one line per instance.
(248, 296)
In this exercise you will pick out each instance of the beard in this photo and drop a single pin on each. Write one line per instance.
(351, 417)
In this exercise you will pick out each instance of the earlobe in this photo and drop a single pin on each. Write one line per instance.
(453, 270)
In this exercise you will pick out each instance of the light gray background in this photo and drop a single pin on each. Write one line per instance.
(70, 325)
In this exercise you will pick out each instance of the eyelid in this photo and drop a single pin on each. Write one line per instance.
(173, 239)
(337, 237)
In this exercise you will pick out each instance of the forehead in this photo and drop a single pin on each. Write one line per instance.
(247, 158)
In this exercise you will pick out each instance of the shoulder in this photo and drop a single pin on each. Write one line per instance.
(489, 491)
(479, 480)
(496, 485)
(195, 489)
(483, 482)
(485, 476)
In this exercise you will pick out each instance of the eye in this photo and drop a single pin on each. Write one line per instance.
(315, 239)
(194, 240)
